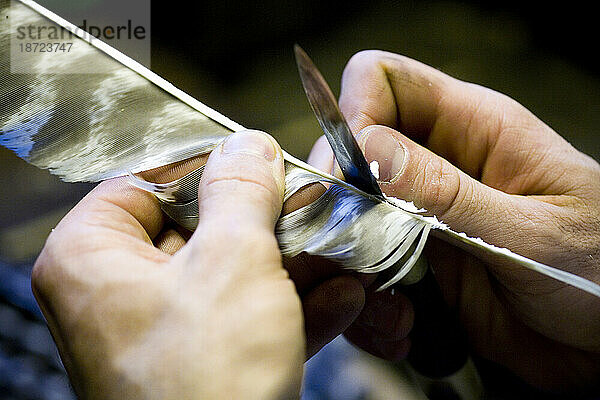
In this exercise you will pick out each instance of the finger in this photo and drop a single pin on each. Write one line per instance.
(113, 223)
(169, 241)
(329, 309)
(115, 214)
(392, 350)
(383, 326)
(386, 315)
(116, 206)
(413, 173)
(321, 155)
(303, 197)
(385, 88)
(308, 271)
(241, 190)
(461, 122)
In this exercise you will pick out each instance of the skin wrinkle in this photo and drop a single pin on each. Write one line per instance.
(212, 181)
(581, 193)
(491, 146)
(434, 91)
(458, 199)
(224, 180)
(479, 283)
(169, 241)
(442, 185)
(509, 167)
(107, 223)
(397, 116)
(539, 159)
(360, 118)
(91, 277)
(469, 134)
(531, 161)
(554, 235)
(86, 246)
(150, 225)
(494, 145)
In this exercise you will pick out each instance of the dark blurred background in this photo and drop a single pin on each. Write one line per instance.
(237, 57)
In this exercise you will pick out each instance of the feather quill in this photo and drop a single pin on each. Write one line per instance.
(91, 127)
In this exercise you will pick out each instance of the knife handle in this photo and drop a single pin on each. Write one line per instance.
(439, 353)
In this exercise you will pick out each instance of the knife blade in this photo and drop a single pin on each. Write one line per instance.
(350, 158)
(439, 354)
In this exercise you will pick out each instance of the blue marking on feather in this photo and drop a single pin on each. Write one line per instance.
(19, 139)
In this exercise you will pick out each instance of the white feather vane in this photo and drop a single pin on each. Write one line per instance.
(91, 127)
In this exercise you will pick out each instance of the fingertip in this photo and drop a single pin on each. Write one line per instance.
(383, 145)
(330, 309)
(387, 314)
(413, 173)
(243, 181)
(384, 324)
(260, 145)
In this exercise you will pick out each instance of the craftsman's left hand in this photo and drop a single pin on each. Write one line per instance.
(139, 313)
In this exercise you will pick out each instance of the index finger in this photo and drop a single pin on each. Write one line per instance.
(460, 121)
(114, 210)
(116, 206)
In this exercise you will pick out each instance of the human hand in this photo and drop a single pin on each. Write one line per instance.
(490, 168)
(137, 312)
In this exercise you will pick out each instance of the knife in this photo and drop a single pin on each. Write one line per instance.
(350, 158)
(439, 354)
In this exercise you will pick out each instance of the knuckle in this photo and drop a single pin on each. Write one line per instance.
(448, 190)
(362, 63)
(580, 232)
(255, 194)
(440, 185)
(247, 243)
(236, 183)
(364, 56)
(241, 178)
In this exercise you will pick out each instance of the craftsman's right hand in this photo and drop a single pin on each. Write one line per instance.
(486, 166)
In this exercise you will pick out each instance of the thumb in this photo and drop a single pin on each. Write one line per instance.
(242, 186)
(413, 173)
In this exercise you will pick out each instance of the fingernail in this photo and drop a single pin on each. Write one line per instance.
(381, 146)
(250, 142)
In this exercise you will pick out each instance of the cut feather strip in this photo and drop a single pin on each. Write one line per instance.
(181, 190)
(91, 127)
